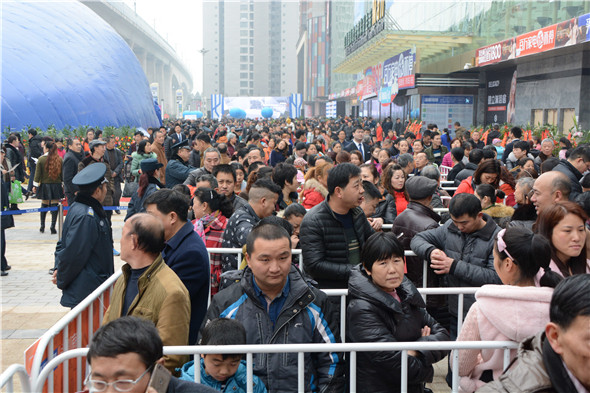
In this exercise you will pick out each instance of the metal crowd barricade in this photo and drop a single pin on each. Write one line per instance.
(7, 377)
(94, 305)
(300, 349)
(97, 302)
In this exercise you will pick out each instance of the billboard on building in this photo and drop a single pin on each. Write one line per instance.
(569, 32)
(500, 96)
(398, 74)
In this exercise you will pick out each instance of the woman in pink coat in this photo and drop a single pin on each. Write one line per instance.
(509, 312)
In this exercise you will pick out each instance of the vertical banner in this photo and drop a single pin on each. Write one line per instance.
(498, 96)
(155, 89)
(216, 106)
(179, 103)
(295, 103)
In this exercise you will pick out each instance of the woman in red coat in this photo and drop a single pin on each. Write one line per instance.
(315, 188)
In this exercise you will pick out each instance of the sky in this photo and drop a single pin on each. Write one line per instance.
(180, 23)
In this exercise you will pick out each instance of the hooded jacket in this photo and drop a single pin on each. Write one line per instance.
(501, 313)
(306, 317)
(313, 193)
(373, 315)
(472, 253)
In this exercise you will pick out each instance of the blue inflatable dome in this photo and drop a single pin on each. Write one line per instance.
(63, 65)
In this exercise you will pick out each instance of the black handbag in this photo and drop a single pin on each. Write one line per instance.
(129, 189)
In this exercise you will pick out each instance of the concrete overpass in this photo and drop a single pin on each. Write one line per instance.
(158, 59)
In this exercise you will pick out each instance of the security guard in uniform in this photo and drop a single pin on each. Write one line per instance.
(83, 256)
(178, 168)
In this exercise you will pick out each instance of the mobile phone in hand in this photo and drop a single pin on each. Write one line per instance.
(160, 379)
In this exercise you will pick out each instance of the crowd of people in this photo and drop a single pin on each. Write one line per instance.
(353, 195)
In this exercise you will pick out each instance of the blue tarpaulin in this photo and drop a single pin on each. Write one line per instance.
(64, 65)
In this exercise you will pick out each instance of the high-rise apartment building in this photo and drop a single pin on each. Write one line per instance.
(249, 47)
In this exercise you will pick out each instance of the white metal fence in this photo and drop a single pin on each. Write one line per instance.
(93, 307)
(350, 349)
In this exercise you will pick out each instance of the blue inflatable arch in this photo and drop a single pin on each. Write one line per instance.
(64, 65)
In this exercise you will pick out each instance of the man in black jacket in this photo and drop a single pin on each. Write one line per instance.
(461, 251)
(35, 151)
(70, 168)
(576, 164)
(334, 232)
(113, 157)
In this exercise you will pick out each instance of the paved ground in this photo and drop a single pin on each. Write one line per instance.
(30, 302)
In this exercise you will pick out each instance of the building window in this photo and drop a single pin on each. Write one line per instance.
(243, 7)
(243, 33)
(243, 83)
(251, 67)
(567, 119)
(251, 50)
(244, 51)
(244, 25)
(244, 58)
(243, 75)
(243, 67)
(243, 41)
(551, 116)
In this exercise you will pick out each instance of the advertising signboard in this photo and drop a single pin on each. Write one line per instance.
(536, 41)
(369, 85)
(398, 74)
(498, 88)
(570, 32)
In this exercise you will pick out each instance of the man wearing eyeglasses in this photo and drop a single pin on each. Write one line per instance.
(122, 356)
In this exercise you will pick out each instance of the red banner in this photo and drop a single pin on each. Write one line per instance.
(536, 41)
(407, 81)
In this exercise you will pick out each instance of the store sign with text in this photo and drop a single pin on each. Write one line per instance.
(569, 32)
(398, 74)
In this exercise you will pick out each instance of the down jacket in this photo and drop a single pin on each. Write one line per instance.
(473, 255)
(324, 245)
(373, 315)
(306, 317)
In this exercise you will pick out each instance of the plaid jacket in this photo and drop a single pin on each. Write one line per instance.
(213, 236)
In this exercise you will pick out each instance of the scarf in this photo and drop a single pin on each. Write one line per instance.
(205, 221)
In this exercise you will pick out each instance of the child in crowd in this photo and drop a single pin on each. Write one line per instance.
(227, 372)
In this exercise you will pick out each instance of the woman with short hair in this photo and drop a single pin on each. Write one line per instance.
(384, 306)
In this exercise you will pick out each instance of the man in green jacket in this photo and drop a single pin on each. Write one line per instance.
(148, 288)
(437, 150)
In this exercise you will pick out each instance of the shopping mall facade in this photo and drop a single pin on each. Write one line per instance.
(476, 62)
